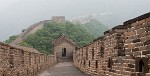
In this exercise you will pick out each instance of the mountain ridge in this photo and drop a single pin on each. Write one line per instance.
(40, 35)
(30, 30)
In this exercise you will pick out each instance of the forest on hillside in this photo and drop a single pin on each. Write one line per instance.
(81, 34)
(95, 28)
(41, 40)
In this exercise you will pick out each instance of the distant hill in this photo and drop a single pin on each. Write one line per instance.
(40, 38)
(95, 28)
(30, 30)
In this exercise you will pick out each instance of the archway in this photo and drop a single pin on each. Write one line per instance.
(64, 52)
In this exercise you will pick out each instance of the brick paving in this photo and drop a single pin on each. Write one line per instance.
(63, 69)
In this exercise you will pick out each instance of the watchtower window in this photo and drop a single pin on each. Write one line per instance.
(64, 52)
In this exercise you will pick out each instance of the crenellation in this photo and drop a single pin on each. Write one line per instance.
(19, 62)
(122, 51)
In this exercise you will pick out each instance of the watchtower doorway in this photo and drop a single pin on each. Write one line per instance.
(64, 52)
(63, 48)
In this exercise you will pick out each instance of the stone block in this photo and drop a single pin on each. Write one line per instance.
(136, 40)
(147, 42)
(135, 49)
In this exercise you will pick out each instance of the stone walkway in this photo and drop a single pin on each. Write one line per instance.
(63, 69)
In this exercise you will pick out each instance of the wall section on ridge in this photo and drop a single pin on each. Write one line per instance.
(123, 51)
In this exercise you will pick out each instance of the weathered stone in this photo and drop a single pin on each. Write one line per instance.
(131, 65)
(147, 42)
(137, 40)
(143, 48)
(135, 49)
(19, 62)
(132, 40)
(143, 39)
(142, 34)
(139, 44)
(146, 52)
(131, 45)
(148, 19)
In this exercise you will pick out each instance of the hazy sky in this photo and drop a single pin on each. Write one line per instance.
(16, 15)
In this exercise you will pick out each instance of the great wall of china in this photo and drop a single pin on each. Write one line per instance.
(31, 30)
(123, 51)
(19, 62)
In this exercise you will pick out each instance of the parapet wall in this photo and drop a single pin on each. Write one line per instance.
(123, 51)
(19, 62)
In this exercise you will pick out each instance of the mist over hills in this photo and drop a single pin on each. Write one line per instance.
(16, 15)
(95, 28)
(41, 39)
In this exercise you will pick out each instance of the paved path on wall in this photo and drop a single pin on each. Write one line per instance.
(63, 69)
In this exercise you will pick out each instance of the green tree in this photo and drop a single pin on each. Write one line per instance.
(95, 28)
(11, 38)
(81, 34)
(41, 40)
